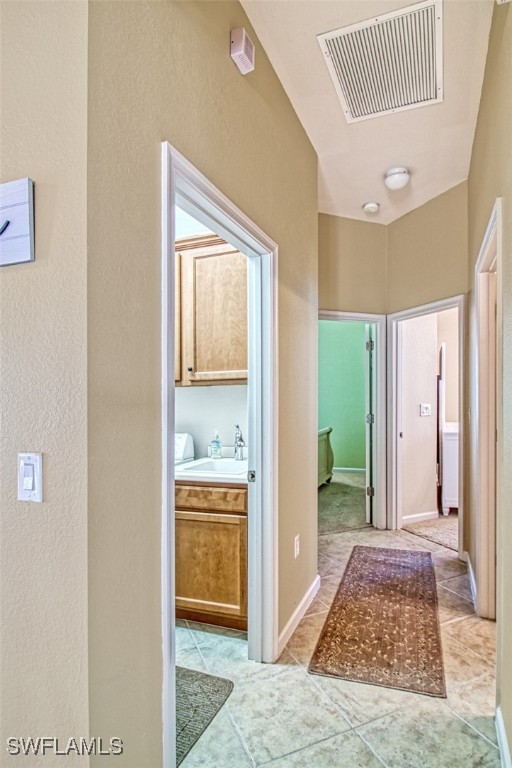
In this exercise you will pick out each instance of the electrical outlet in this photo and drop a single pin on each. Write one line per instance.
(297, 546)
(425, 409)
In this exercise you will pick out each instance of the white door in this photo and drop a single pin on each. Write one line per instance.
(370, 420)
(417, 420)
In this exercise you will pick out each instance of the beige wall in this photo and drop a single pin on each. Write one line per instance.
(352, 266)
(162, 71)
(490, 177)
(448, 333)
(88, 94)
(417, 259)
(427, 252)
(43, 395)
(201, 410)
(419, 385)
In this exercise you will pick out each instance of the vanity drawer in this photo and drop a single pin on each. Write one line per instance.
(213, 498)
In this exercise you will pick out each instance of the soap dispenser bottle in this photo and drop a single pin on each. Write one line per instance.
(215, 446)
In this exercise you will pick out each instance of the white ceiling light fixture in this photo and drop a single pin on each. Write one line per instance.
(397, 178)
(371, 207)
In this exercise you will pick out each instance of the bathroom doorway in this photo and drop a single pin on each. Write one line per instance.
(184, 186)
(351, 421)
(211, 423)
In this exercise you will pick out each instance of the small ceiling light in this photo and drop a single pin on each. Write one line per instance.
(371, 207)
(397, 178)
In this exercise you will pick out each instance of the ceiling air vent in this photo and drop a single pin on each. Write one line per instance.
(389, 63)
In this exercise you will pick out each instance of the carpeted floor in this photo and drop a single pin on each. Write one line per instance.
(442, 530)
(383, 626)
(342, 503)
(198, 699)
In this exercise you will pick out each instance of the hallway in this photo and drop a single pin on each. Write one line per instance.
(279, 715)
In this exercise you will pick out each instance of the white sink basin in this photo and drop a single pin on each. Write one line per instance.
(216, 466)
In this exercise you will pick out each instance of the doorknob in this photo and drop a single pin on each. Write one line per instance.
(401, 434)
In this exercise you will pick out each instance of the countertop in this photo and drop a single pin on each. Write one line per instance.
(218, 471)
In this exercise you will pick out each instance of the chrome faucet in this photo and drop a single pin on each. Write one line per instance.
(239, 444)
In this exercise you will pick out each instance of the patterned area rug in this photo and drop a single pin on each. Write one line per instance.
(198, 699)
(341, 505)
(442, 530)
(383, 626)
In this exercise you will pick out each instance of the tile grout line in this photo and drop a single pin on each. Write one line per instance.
(442, 584)
(483, 658)
(240, 736)
(379, 758)
(228, 709)
(302, 749)
(325, 694)
(455, 620)
(481, 735)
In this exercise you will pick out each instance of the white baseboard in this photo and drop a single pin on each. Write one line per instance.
(297, 615)
(419, 517)
(502, 740)
(472, 578)
(347, 469)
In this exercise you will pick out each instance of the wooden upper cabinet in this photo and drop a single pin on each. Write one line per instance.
(213, 311)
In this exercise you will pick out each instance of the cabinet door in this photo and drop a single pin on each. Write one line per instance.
(214, 315)
(211, 564)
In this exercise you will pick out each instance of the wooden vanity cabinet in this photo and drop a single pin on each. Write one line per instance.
(211, 312)
(211, 554)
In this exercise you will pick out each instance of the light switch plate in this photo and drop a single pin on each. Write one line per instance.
(425, 409)
(30, 476)
(16, 222)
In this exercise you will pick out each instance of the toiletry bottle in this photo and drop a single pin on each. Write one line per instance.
(215, 446)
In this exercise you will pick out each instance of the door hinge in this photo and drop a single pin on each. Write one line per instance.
(370, 418)
(370, 346)
(251, 476)
(370, 490)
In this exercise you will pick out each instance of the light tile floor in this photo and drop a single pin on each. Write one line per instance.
(279, 715)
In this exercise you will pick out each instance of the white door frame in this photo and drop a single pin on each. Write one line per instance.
(183, 184)
(379, 500)
(394, 374)
(486, 409)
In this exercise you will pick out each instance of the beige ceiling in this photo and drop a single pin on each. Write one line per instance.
(433, 141)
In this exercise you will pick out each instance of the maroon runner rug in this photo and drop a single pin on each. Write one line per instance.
(383, 626)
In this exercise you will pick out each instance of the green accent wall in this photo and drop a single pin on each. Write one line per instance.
(341, 389)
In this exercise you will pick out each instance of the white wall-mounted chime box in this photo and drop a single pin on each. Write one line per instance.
(242, 50)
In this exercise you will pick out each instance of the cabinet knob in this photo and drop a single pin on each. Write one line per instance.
(189, 368)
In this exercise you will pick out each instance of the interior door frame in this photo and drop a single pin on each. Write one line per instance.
(379, 458)
(487, 411)
(394, 379)
(185, 185)
(370, 387)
